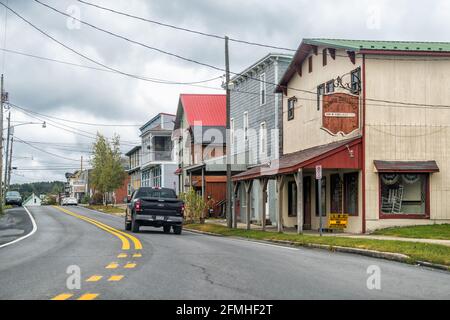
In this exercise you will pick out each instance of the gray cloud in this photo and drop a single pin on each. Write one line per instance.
(93, 96)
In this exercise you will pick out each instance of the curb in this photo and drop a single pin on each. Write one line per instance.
(398, 257)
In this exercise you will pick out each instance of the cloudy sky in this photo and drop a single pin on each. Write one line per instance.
(47, 88)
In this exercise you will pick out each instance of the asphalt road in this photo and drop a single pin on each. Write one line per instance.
(190, 266)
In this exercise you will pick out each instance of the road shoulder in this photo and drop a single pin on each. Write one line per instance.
(16, 224)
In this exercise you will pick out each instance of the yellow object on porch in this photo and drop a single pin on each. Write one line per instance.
(338, 221)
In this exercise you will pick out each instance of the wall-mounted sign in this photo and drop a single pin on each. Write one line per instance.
(340, 113)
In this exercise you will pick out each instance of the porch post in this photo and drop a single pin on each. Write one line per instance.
(299, 183)
(203, 183)
(248, 191)
(235, 189)
(280, 185)
(263, 187)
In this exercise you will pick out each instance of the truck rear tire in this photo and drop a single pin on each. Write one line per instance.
(166, 229)
(127, 225)
(134, 225)
(177, 229)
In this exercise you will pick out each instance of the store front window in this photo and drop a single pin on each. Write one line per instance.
(404, 195)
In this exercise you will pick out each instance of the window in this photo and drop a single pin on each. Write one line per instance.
(336, 191)
(324, 57)
(404, 195)
(262, 89)
(355, 81)
(291, 107)
(263, 138)
(323, 197)
(292, 199)
(320, 92)
(351, 193)
(310, 62)
(330, 86)
(156, 177)
(245, 125)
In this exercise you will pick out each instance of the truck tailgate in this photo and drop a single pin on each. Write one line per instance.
(161, 207)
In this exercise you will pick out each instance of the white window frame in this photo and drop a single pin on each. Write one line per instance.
(245, 125)
(262, 89)
(263, 138)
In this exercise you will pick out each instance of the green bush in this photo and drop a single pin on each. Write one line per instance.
(194, 206)
(97, 198)
(86, 199)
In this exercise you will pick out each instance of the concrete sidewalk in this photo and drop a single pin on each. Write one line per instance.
(346, 235)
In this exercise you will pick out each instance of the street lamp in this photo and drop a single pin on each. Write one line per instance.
(9, 150)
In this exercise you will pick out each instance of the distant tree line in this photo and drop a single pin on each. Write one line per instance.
(49, 187)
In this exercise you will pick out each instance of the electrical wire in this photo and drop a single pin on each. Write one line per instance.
(156, 80)
(186, 29)
(44, 151)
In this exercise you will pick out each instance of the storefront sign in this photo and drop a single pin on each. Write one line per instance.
(340, 113)
(338, 221)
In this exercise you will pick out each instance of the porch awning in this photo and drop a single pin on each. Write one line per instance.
(406, 166)
(344, 154)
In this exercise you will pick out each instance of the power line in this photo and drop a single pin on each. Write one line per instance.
(44, 151)
(137, 43)
(156, 80)
(64, 127)
(231, 39)
(186, 29)
(174, 55)
(83, 55)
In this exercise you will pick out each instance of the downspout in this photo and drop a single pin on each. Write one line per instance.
(364, 147)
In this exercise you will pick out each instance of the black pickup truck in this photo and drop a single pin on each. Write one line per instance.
(154, 207)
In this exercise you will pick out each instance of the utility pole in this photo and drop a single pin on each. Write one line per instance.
(10, 159)
(81, 164)
(228, 145)
(7, 151)
(1, 142)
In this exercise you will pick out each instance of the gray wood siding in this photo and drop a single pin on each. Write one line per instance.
(245, 97)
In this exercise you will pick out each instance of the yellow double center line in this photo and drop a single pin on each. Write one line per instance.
(123, 236)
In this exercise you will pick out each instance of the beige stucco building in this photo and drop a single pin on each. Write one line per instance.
(375, 115)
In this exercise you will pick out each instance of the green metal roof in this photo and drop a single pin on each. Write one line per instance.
(356, 45)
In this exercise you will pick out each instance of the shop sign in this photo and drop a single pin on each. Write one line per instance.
(340, 113)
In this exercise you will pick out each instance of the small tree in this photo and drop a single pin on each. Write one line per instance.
(107, 172)
(194, 205)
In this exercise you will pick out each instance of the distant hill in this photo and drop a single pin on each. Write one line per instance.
(26, 189)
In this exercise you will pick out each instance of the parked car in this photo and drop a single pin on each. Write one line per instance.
(155, 207)
(13, 198)
(69, 201)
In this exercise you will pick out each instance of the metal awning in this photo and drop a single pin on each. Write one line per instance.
(406, 166)
(344, 154)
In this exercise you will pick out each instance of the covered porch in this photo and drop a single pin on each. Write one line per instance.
(297, 189)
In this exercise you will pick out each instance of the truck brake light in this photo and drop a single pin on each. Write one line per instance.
(138, 205)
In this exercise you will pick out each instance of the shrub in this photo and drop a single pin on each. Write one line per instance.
(194, 206)
(97, 198)
(86, 199)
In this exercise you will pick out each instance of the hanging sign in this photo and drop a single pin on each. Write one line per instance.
(340, 113)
